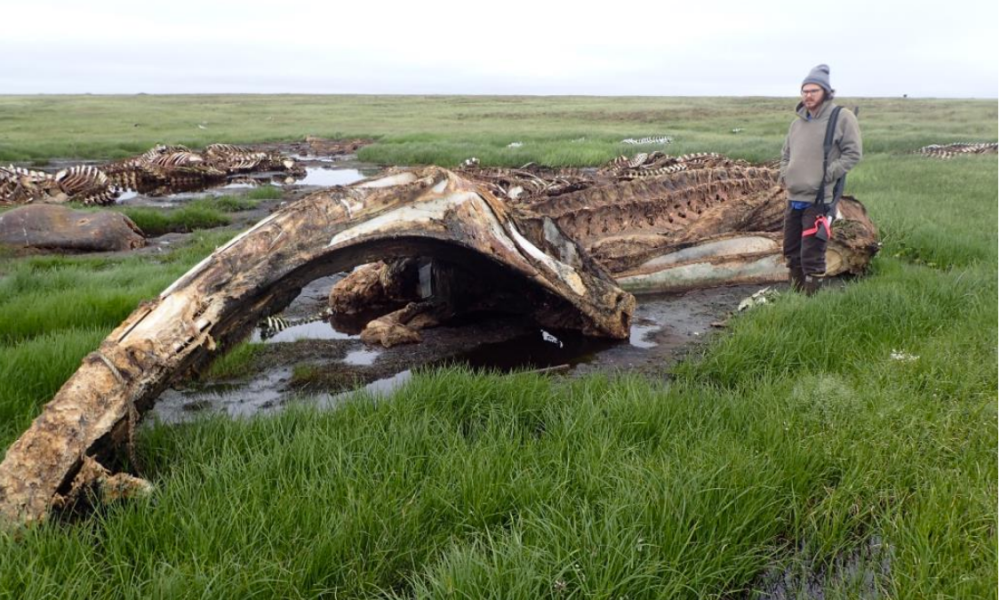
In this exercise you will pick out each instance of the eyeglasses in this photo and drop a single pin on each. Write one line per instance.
(811, 92)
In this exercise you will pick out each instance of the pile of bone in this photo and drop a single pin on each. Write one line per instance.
(648, 141)
(950, 150)
(80, 183)
(528, 181)
(88, 184)
(532, 182)
(655, 164)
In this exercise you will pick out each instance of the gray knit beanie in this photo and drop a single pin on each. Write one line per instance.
(820, 75)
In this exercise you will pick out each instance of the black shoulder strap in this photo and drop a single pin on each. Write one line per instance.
(831, 127)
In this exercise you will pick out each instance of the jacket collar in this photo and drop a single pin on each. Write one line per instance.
(803, 112)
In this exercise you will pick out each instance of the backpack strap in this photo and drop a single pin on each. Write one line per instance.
(838, 188)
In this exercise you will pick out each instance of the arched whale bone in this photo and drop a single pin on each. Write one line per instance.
(430, 212)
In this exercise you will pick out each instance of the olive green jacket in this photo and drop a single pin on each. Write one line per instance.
(802, 156)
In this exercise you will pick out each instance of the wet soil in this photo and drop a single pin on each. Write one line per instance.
(316, 363)
(862, 572)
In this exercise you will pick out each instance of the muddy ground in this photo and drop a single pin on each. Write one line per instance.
(316, 362)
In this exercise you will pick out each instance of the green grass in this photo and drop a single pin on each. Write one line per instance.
(236, 363)
(448, 129)
(32, 370)
(511, 486)
(191, 216)
(936, 211)
(794, 440)
(264, 192)
(56, 309)
(207, 212)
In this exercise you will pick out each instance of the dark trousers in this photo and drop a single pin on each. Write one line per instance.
(806, 253)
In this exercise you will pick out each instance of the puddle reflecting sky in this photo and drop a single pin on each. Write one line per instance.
(322, 177)
(259, 396)
(243, 400)
(361, 357)
(380, 388)
(307, 158)
(637, 335)
(317, 330)
(315, 176)
(539, 349)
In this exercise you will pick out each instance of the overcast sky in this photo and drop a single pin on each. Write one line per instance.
(730, 48)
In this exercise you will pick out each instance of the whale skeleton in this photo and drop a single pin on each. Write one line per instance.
(569, 252)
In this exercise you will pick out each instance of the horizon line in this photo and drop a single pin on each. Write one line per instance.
(523, 95)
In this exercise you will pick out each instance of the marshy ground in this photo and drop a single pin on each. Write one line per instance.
(320, 361)
(840, 446)
(317, 363)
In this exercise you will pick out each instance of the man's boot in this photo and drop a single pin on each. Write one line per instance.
(812, 284)
(797, 278)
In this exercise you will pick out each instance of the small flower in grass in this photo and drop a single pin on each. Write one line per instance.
(559, 586)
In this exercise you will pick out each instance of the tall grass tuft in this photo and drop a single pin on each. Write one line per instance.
(191, 216)
(265, 192)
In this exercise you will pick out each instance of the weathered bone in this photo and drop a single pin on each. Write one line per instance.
(658, 229)
(240, 159)
(86, 184)
(855, 240)
(431, 213)
(22, 186)
(947, 151)
(375, 286)
(678, 208)
(717, 224)
(403, 326)
(163, 167)
(160, 170)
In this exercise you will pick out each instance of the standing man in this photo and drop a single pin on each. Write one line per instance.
(814, 177)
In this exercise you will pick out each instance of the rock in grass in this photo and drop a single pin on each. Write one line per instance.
(51, 227)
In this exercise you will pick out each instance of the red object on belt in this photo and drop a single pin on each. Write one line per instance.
(821, 221)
